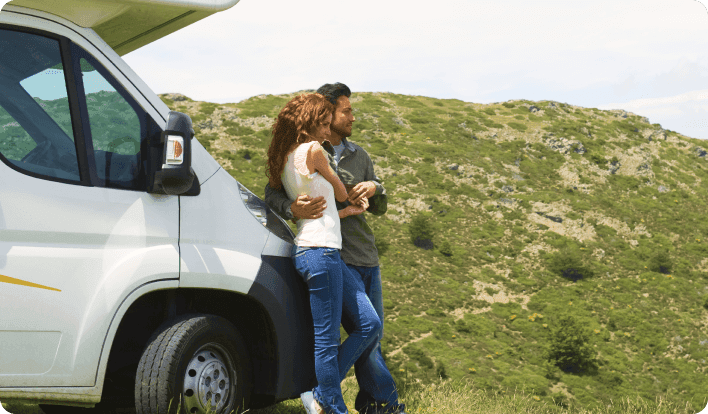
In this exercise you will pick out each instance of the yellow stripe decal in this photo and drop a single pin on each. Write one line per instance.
(8, 279)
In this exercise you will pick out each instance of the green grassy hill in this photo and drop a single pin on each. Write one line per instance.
(570, 254)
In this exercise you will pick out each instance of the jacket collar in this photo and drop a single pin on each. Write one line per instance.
(330, 148)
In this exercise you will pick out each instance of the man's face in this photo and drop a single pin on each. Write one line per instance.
(343, 118)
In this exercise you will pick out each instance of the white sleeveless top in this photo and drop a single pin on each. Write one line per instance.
(324, 231)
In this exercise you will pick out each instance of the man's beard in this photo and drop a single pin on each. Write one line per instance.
(340, 132)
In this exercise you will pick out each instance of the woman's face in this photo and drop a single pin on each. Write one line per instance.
(321, 131)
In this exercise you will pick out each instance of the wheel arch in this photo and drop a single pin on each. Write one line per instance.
(147, 312)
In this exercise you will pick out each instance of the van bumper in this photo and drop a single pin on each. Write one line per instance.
(283, 293)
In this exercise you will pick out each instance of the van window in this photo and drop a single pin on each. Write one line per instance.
(117, 130)
(36, 133)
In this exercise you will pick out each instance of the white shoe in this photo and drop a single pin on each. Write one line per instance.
(311, 405)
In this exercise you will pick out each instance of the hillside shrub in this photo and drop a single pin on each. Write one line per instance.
(421, 231)
(446, 248)
(661, 262)
(382, 245)
(568, 264)
(518, 126)
(570, 348)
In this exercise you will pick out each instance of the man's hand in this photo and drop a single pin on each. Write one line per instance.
(365, 189)
(306, 207)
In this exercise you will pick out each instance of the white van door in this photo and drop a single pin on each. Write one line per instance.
(78, 231)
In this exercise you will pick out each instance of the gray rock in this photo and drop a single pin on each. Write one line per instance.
(663, 189)
(453, 167)
(206, 124)
(517, 177)
(508, 189)
(506, 200)
(658, 135)
(564, 145)
(177, 97)
(552, 218)
(700, 152)
(643, 167)
(533, 108)
(398, 121)
(614, 167)
(551, 105)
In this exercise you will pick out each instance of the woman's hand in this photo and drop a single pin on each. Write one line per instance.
(354, 209)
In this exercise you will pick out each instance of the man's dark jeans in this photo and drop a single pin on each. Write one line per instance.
(377, 389)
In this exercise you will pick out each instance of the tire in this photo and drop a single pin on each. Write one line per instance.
(183, 365)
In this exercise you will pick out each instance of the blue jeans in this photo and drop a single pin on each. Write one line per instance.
(377, 389)
(335, 290)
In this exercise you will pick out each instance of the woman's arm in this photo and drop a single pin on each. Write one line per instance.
(319, 162)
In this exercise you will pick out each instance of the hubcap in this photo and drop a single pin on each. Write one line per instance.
(209, 380)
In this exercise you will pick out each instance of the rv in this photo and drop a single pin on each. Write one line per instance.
(135, 272)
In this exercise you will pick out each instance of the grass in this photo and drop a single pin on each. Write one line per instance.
(448, 396)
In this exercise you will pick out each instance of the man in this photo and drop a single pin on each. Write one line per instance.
(377, 389)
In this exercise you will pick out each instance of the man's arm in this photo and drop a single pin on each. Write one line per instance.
(278, 201)
(378, 203)
(304, 207)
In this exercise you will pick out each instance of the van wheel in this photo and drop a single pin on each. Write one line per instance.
(191, 363)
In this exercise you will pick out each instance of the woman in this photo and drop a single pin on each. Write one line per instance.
(297, 162)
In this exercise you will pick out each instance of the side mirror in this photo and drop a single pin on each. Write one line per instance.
(171, 158)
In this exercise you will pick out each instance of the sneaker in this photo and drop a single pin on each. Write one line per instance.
(310, 403)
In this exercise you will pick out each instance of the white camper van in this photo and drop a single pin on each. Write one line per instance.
(134, 271)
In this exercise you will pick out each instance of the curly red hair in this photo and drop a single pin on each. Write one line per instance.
(299, 116)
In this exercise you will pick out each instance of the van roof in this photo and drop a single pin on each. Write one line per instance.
(127, 25)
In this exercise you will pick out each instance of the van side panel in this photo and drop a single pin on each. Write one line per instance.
(220, 240)
(88, 394)
(69, 255)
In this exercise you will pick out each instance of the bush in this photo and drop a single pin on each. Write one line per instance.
(446, 248)
(661, 262)
(381, 245)
(570, 348)
(440, 370)
(569, 265)
(421, 232)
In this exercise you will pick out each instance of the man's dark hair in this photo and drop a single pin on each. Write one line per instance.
(332, 92)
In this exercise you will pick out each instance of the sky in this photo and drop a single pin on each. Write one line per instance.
(649, 57)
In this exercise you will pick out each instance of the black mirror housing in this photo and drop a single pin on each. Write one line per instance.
(171, 158)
